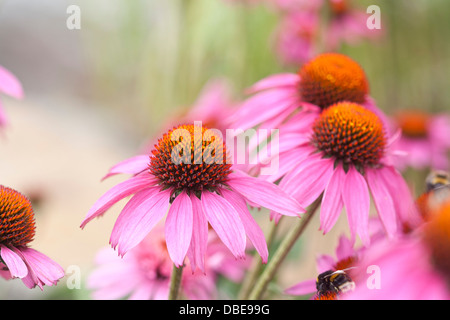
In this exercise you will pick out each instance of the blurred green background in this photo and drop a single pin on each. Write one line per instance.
(99, 93)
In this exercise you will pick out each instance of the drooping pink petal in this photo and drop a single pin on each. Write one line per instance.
(225, 220)
(197, 249)
(332, 202)
(302, 288)
(117, 193)
(264, 106)
(42, 269)
(276, 80)
(178, 228)
(14, 262)
(132, 165)
(257, 191)
(355, 194)
(309, 181)
(383, 201)
(9, 84)
(138, 218)
(3, 117)
(252, 229)
(344, 249)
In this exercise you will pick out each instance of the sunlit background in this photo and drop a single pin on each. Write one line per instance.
(97, 95)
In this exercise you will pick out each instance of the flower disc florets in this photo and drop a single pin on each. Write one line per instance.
(332, 77)
(17, 225)
(190, 158)
(351, 134)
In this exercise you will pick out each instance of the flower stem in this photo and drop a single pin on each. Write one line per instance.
(256, 267)
(175, 282)
(282, 251)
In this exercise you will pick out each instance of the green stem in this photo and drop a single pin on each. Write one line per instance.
(256, 267)
(175, 281)
(282, 251)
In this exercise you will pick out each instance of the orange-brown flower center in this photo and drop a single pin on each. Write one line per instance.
(437, 237)
(413, 124)
(350, 133)
(332, 77)
(17, 225)
(190, 158)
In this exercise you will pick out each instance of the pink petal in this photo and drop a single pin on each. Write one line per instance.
(117, 193)
(276, 80)
(302, 288)
(344, 248)
(138, 218)
(3, 117)
(178, 228)
(252, 229)
(132, 165)
(225, 220)
(199, 240)
(42, 269)
(355, 194)
(265, 194)
(309, 181)
(383, 201)
(332, 202)
(14, 262)
(9, 84)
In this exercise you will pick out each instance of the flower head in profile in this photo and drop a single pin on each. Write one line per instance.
(321, 82)
(424, 139)
(346, 158)
(188, 177)
(17, 230)
(10, 86)
(144, 273)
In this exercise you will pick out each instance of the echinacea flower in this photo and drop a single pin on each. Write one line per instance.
(348, 24)
(425, 139)
(413, 267)
(324, 80)
(346, 156)
(17, 230)
(296, 37)
(144, 273)
(189, 178)
(10, 86)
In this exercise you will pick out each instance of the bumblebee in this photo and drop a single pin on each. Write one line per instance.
(436, 180)
(437, 192)
(333, 283)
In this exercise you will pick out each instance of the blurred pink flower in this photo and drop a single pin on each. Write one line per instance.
(425, 140)
(10, 86)
(415, 266)
(17, 229)
(144, 273)
(297, 37)
(347, 24)
(194, 193)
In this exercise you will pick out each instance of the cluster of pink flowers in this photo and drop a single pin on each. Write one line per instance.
(192, 202)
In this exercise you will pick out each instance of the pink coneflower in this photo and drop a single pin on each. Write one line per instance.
(413, 267)
(425, 139)
(346, 156)
(199, 189)
(347, 24)
(144, 273)
(10, 86)
(296, 37)
(17, 230)
(323, 81)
